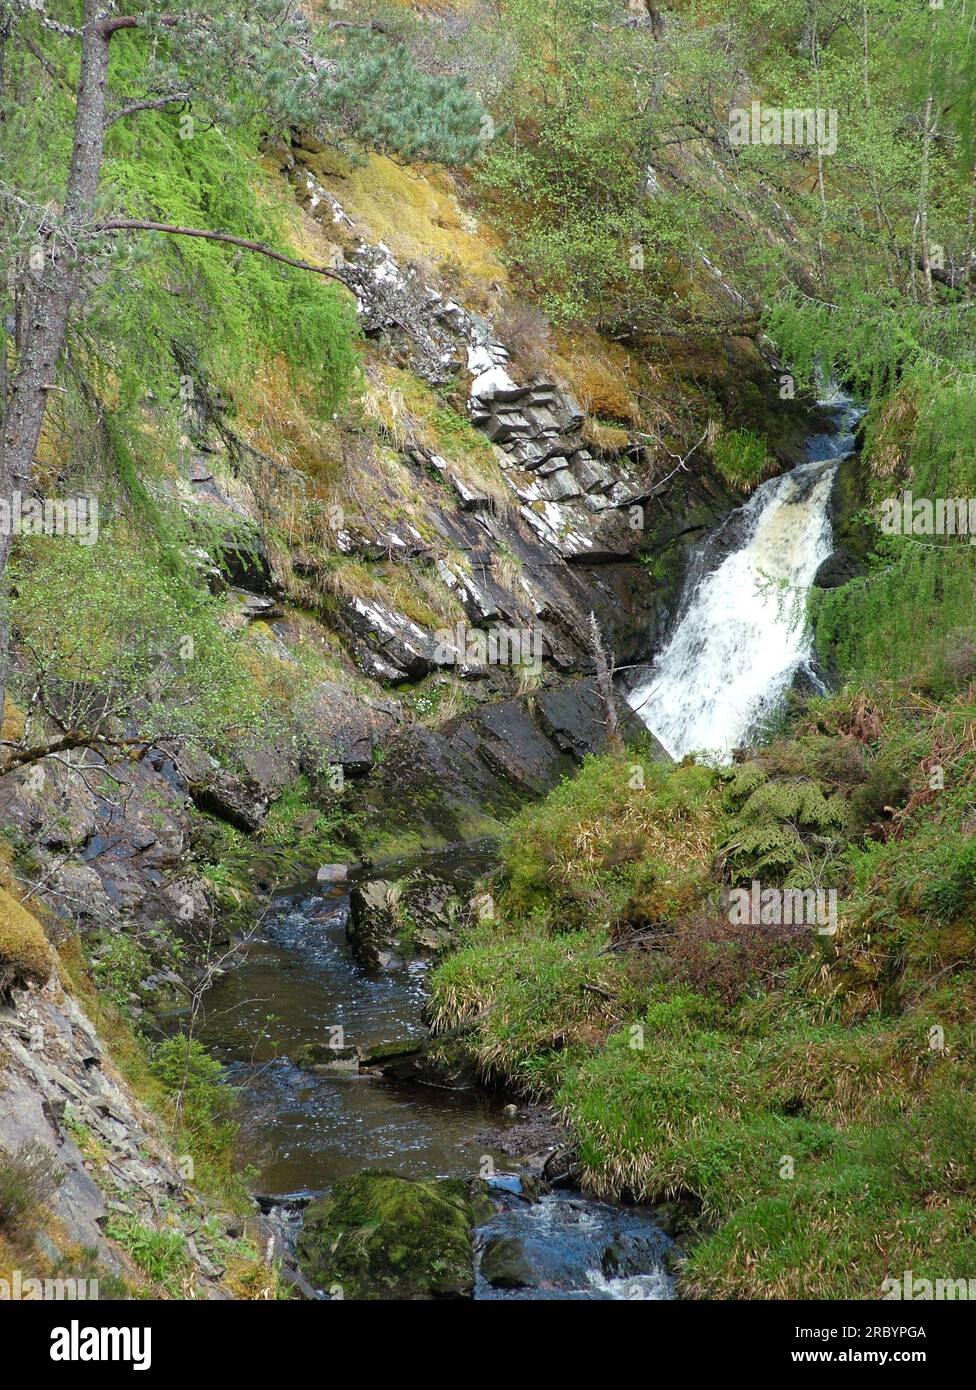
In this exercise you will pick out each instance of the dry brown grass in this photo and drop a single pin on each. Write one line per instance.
(891, 452)
(26, 958)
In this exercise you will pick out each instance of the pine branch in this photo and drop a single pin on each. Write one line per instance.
(151, 104)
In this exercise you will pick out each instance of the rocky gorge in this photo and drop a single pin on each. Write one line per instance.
(455, 647)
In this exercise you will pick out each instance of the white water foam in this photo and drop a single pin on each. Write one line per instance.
(742, 633)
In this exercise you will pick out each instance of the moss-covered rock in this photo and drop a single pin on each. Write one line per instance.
(505, 1264)
(25, 956)
(379, 1236)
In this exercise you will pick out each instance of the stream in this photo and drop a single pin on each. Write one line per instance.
(740, 639)
(298, 980)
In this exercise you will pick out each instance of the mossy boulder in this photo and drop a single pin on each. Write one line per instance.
(25, 956)
(394, 920)
(505, 1264)
(379, 1236)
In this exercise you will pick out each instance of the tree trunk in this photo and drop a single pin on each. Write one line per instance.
(51, 297)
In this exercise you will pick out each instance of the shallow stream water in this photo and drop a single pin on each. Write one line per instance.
(298, 980)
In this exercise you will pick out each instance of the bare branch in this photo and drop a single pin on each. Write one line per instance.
(127, 224)
(152, 104)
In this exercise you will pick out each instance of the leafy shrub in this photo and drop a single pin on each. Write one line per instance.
(120, 966)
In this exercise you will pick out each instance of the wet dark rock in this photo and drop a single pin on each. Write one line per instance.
(371, 928)
(672, 1217)
(404, 646)
(427, 1061)
(456, 782)
(220, 792)
(505, 1265)
(839, 568)
(339, 729)
(325, 1057)
(259, 608)
(393, 919)
(270, 765)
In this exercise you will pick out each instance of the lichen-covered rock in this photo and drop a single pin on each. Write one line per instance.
(377, 1236)
(393, 919)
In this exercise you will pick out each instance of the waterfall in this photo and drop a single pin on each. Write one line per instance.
(741, 636)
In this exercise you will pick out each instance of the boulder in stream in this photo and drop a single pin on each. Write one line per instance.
(505, 1265)
(377, 1236)
(392, 920)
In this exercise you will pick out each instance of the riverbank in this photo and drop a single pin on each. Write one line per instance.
(809, 1095)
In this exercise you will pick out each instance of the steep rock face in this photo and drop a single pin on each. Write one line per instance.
(581, 512)
(576, 518)
(462, 780)
(61, 1095)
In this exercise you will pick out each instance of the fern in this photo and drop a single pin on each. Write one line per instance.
(774, 822)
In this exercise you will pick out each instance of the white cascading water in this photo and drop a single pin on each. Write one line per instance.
(742, 634)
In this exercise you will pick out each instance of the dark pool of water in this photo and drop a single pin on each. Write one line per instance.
(296, 982)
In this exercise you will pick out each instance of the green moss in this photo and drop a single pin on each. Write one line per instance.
(378, 1236)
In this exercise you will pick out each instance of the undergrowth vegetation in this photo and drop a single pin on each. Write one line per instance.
(808, 1095)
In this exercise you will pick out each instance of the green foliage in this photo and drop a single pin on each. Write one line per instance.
(202, 1115)
(563, 179)
(160, 1254)
(235, 309)
(776, 826)
(624, 840)
(110, 629)
(120, 966)
(345, 82)
(300, 831)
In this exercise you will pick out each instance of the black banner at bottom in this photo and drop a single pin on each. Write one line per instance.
(143, 1338)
